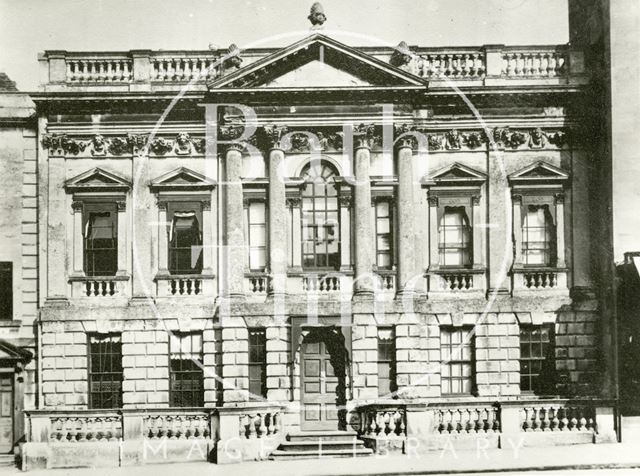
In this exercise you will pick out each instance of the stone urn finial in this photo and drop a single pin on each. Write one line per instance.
(401, 55)
(233, 56)
(317, 16)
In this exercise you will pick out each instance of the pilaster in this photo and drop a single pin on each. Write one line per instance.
(207, 238)
(499, 234)
(345, 233)
(141, 232)
(478, 233)
(516, 201)
(163, 239)
(78, 239)
(56, 232)
(121, 206)
(296, 232)
(561, 261)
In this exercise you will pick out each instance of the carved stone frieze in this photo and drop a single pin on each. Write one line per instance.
(322, 139)
(183, 143)
(453, 140)
(98, 145)
(137, 141)
(160, 146)
(305, 140)
(64, 143)
(119, 146)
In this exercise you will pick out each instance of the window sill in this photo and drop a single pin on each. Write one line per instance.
(166, 277)
(538, 269)
(296, 272)
(255, 274)
(10, 323)
(83, 278)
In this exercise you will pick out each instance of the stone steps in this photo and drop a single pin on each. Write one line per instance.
(321, 444)
(7, 460)
(312, 454)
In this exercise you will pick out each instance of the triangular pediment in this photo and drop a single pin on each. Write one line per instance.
(97, 180)
(456, 174)
(182, 179)
(539, 172)
(316, 74)
(317, 62)
(10, 352)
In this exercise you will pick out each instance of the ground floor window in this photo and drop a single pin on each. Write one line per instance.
(386, 361)
(537, 359)
(186, 376)
(105, 371)
(257, 363)
(457, 360)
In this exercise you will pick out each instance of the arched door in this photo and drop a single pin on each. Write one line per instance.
(323, 380)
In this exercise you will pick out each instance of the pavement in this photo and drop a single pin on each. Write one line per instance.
(603, 458)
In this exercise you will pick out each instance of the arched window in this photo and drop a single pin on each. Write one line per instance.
(538, 237)
(320, 218)
(455, 238)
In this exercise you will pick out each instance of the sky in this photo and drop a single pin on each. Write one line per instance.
(31, 26)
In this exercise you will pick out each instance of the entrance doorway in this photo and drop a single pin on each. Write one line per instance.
(323, 380)
(6, 413)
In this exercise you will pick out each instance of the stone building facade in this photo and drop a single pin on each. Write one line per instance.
(398, 243)
(18, 263)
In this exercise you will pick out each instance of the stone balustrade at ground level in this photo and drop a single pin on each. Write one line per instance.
(252, 431)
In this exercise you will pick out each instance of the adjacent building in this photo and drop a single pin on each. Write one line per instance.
(18, 263)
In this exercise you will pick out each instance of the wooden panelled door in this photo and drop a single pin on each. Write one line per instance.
(6, 413)
(323, 380)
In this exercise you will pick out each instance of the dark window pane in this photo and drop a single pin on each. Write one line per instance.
(105, 371)
(386, 361)
(186, 378)
(537, 359)
(185, 243)
(101, 240)
(6, 290)
(257, 363)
